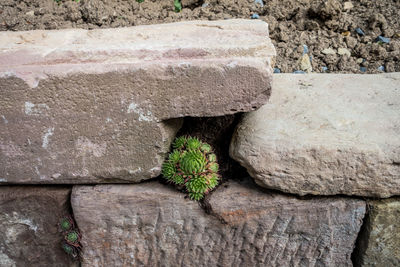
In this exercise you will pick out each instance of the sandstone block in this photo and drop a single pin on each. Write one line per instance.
(150, 224)
(325, 135)
(379, 240)
(79, 106)
(29, 218)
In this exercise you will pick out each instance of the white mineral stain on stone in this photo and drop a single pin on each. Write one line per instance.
(45, 138)
(6, 261)
(232, 64)
(3, 180)
(42, 177)
(83, 173)
(155, 170)
(56, 175)
(4, 119)
(14, 220)
(143, 115)
(7, 74)
(135, 171)
(32, 109)
(184, 64)
(28, 108)
(84, 145)
(30, 224)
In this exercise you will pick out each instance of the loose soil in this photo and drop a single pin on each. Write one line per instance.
(295, 26)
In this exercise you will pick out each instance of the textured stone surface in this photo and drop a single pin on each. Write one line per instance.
(80, 106)
(29, 218)
(151, 224)
(379, 240)
(325, 135)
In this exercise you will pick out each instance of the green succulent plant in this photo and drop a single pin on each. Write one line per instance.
(192, 164)
(72, 237)
(66, 224)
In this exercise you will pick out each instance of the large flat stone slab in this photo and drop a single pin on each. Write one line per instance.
(325, 135)
(150, 224)
(79, 106)
(379, 240)
(29, 234)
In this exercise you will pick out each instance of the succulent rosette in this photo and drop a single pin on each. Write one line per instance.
(72, 237)
(192, 164)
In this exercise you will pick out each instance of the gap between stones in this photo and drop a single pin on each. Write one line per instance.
(356, 254)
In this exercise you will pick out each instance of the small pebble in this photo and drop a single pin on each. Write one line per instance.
(277, 70)
(359, 60)
(324, 69)
(255, 16)
(344, 51)
(348, 5)
(360, 32)
(30, 13)
(305, 63)
(260, 2)
(383, 39)
(346, 33)
(328, 51)
(299, 72)
(305, 49)
(381, 68)
(204, 5)
(363, 69)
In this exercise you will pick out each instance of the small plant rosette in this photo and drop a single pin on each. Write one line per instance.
(193, 165)
(72, 237)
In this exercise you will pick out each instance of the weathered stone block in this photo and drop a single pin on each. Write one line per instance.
(379, 240)
(79, 106)
(29, 234)
(325, 135)
(154, 225)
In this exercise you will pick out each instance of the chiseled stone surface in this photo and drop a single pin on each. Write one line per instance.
(79, 106)
(325, 135)
(150, 224)
(379, 240)
(29, 234)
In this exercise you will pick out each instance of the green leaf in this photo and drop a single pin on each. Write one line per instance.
(196, 196)
(177, 5)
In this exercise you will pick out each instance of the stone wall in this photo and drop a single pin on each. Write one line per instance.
(88, 117)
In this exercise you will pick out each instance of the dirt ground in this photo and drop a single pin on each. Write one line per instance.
(310, 35)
